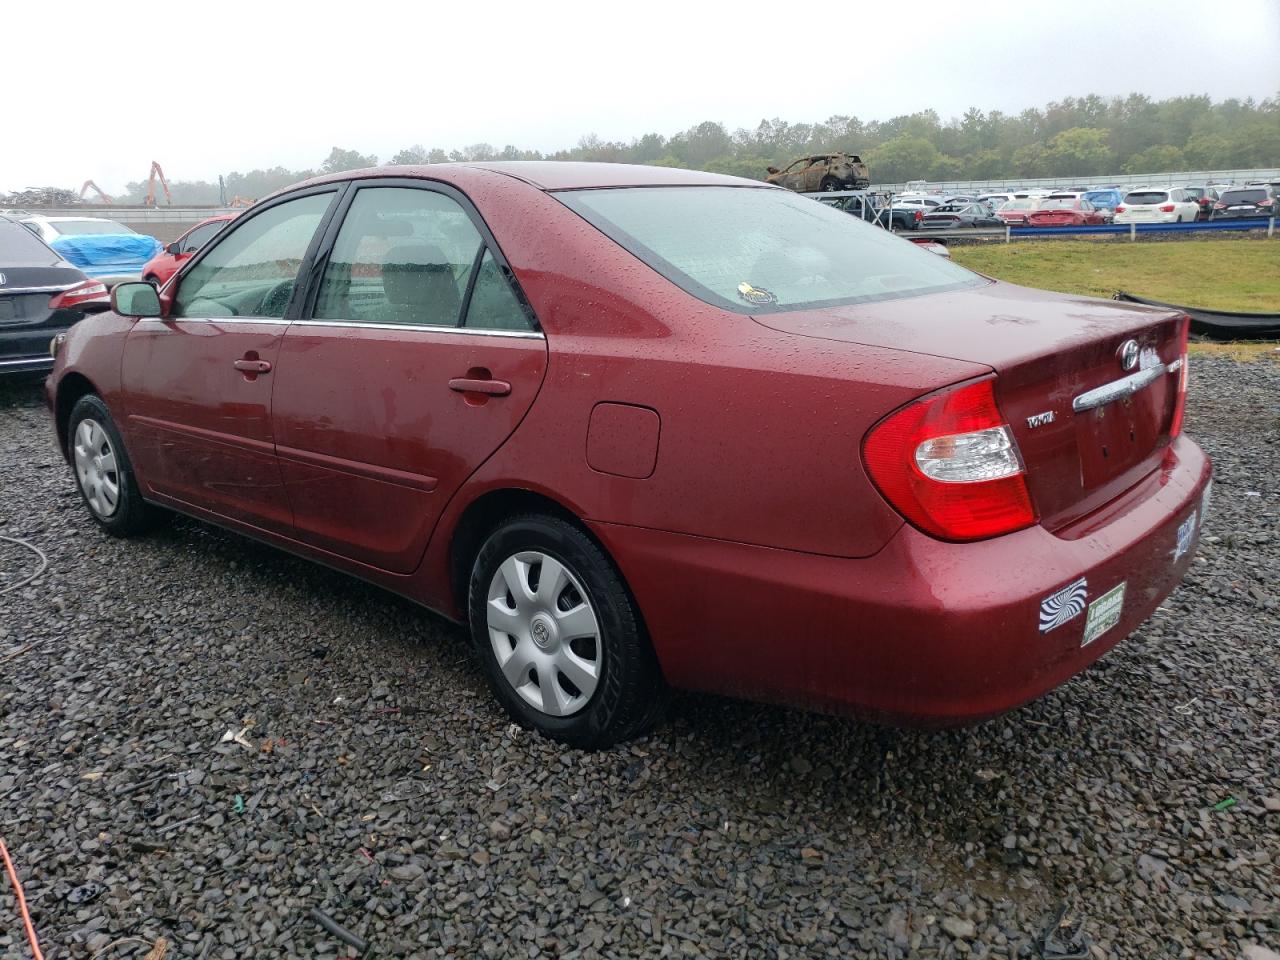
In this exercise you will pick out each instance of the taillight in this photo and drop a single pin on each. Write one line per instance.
(1184, 371)
(1120, 208)
(90, 291)
(919, 216)
(1219, 206)
(1266, 203)
(949, 464)
(1168, 208)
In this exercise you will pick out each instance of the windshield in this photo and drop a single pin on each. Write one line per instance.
(754, 250)
(19, 247)
(76, 228)
(1147, 196)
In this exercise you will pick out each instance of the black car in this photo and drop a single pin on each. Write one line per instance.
(954, 216)
(1252, 201)
(40, 295)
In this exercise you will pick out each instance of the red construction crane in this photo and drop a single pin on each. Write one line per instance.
(156, 172)
(85, 189)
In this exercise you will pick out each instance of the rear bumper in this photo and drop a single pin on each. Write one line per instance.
(923, 633)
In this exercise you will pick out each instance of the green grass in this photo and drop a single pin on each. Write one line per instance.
(1222, 274)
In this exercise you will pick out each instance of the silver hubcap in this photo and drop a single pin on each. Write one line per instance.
(96, 468)
(544, 633)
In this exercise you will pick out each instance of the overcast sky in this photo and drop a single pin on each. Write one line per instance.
(98, 90)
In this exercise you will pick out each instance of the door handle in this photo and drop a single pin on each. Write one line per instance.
(253, 366)
(493, 388)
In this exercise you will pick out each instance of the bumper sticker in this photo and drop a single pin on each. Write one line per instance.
(1104, 613)
(1068, 603)
(1186, 533)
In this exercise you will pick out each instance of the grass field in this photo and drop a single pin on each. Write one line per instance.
(1221, 274)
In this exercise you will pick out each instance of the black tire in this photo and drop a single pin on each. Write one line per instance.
(630, 693)
(829, 184)
(130, 515)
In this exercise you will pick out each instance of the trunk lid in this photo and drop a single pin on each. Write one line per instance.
(1048, 352)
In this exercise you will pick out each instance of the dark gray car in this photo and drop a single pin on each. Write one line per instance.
(40, 295)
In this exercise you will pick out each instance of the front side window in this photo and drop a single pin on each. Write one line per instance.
(402, 256)
(198, 237)
(750, 249)
(252, 271)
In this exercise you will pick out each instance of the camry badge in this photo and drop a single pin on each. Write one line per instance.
(1040, 419)
(1128, 354)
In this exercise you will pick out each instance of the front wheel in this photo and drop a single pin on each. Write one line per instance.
(560, 636)
(103, 472)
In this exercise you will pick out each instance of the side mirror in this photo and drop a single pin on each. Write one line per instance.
(173, 249)
(771, 169)
(135, 300)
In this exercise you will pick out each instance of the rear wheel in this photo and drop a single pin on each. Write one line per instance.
(559, 635)
(103, 472)
(829, 184)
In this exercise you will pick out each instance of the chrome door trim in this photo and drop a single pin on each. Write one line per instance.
(423, 328)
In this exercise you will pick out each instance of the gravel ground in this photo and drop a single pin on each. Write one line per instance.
(374, 778)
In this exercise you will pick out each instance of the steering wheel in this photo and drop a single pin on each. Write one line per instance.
(274, 302)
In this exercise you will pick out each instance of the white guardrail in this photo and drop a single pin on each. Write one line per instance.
(1009, 184)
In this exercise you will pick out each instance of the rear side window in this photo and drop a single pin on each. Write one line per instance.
(494, 305)
(403, 256)
(19, 247)
(1147, 196)
(252, 271)
(753, 250)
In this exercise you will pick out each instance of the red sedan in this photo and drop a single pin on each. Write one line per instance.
(646, 428)
(166, 263)
(1066, 212)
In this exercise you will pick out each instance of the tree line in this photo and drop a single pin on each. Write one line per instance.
(1074, 137)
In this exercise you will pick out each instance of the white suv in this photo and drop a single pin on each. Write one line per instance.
(1157, 205)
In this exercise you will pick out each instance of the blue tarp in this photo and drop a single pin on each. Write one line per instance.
(107, 254)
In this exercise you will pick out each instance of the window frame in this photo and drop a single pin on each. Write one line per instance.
(329, 234)
(217, 226)
(305, 268)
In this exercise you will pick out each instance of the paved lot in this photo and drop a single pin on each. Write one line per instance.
(380, 783)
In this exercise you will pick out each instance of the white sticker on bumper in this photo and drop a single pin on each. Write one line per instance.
(1066, 604)
(1104, 613)
(1186, 533)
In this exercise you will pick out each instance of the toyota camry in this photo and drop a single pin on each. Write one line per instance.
(644, 428)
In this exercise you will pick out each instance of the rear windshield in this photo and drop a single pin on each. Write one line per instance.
(1101, 196)
(1243, 196)
(1059, 203)
(753, 250)
(1147, 196)
(1022, 203)
(19, 247)
(78, 228)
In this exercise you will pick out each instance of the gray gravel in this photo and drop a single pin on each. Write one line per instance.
(374, 778)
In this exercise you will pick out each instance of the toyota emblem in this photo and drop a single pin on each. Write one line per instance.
(1128, 354)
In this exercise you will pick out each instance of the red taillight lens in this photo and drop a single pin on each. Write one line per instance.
(1120, 208)
(949, 464)
(1219, 206)
(1167, 208)
(919, 216)
(91, 291)
(1184, 371)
